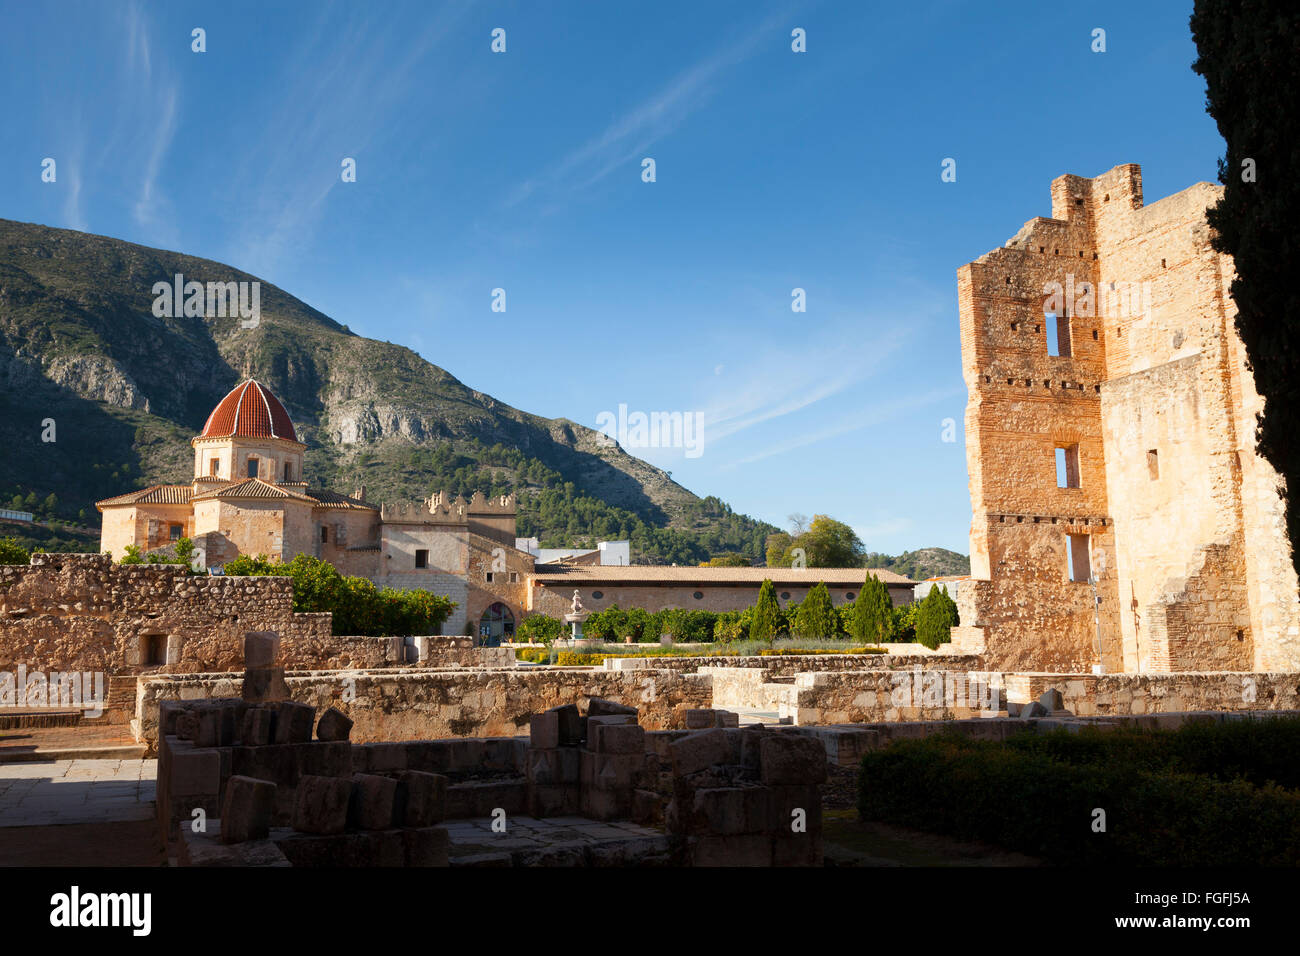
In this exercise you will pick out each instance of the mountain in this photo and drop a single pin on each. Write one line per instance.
(99, 396)
(922, 563)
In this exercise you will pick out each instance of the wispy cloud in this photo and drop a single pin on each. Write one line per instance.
(627, 138)
(789, 381)
(852, 421)
(343, 84)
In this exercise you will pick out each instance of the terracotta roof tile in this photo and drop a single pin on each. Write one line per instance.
(249, 411)
(332, 499)
(253, 488)
(153, 495)
(656, 574)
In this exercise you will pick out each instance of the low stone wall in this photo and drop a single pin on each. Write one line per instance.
(416, 704)
(847, 697)
(1134, 694)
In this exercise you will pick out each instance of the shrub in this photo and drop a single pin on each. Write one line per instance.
(871, 617)
(540, 629)
(11, 552)
(936, 618)
(815, 616)
(1156, 815)
(795, 651)
(357, 605)
(768, 620)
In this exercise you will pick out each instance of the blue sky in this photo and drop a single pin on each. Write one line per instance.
(523, 171)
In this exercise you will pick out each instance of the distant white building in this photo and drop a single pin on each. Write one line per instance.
(953, 582)
(605, 553)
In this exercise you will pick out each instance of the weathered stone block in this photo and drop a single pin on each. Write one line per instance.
(616, 738)
(216, 727)
(333, 725)
(321, 804)
(553, 800)
(265, 685)
(573, 728)
(700, 718)
(195, 773)
(187, 725)
(1052, 700)
(246, 812)
(787, 759)
(421, 799)
(606, 804)
(544, 730)
(276, 762)
(505, 754)
(483, 799)
(719, 812)
(371, 805)
(783, 802)
(323, 758)
(612, 771)
(466, 755)
(700, 751)
(261, 648)
(378, 757)
(256, 727)
(647, 807)
(561, 765)
(293, 722)
(599, 707)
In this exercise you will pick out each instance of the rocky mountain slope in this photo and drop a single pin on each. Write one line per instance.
(98, 395)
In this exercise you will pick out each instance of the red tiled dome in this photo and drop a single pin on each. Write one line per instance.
(249, 411)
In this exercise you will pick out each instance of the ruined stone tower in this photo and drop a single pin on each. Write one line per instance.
(1110, 445)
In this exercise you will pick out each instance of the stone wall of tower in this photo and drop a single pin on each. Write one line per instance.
(1187, 546)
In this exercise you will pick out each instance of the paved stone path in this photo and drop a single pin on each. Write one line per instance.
(523, 833)
(76, 791)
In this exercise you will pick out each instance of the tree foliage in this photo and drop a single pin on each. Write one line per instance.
(935, 618)
(826, 544)
(11, 552)
(815, 616)
(358, 606)
(872, 618)
(768, 620)
(1249, 54)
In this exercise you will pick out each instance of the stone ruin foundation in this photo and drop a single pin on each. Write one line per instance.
(242, 782)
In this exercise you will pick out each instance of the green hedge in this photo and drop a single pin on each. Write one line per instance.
(1258, 751)
(1029, 796)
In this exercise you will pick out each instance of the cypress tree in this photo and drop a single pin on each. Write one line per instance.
(935, 618)
(766, 621)
(872, 620)
(815, 617)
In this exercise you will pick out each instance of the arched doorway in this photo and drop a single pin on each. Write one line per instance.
(496, 624)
